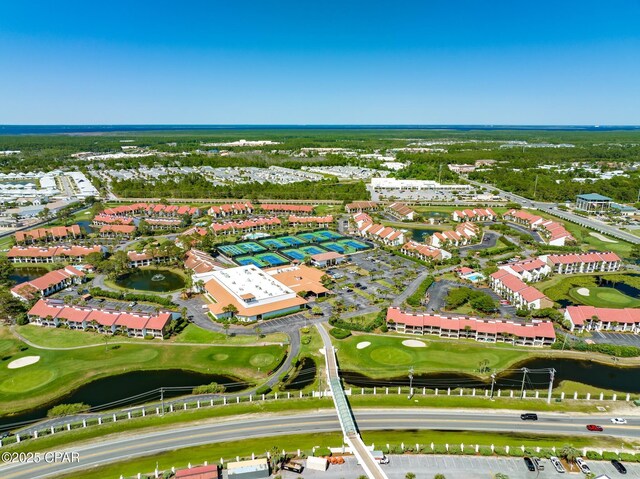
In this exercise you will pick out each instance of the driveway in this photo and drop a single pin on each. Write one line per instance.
(621, 339)
(439, 289)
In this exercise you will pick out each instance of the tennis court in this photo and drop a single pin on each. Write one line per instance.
(293, 253)
(273, 243)
(312, 249)
(245, 260)
(272, 259)
(242, 248)
(292, 240)
(328, 234)
(355, 244)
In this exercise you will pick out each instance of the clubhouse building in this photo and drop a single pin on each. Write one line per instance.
(532, 333)
(252, 294)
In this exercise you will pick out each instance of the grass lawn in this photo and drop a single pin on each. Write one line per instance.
(65, 338)
(604, 298)
(59, 372)
(388, 357)
(305, 442)
(6, 243)
(416, 226)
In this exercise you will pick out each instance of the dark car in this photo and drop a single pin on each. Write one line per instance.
(619, 466)
(593, 427)
(529, 463)
(529, 416)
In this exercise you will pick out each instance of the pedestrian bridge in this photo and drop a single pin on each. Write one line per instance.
(345, 416)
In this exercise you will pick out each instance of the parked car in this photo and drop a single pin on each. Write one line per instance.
(529, 463)
(582, 465)
(618, 420)
(529, 416)
(619, 466)
(557, 464)
(594, 427)
(539, 464)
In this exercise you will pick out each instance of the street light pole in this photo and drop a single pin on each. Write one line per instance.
(162, 399)
(552, 373)
(410, 382)
(493, 383)
(524, 377)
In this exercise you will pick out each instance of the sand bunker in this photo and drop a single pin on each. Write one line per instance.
(582, 291)
(412, 343)
(22, 362)
(363, 344)
(602, 237)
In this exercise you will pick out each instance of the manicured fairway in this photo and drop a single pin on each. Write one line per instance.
(604, 298)
(59, 372)
(388, 357)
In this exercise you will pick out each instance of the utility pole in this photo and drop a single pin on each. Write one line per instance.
(535, 188)
(552, 374)
(493, 383)
(410, 382)
(524, 377)
(440, 175)
(162, 399)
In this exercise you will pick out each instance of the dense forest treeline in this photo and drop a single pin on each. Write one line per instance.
(195, 186)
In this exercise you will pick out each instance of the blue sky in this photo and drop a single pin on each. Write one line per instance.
(342, 62)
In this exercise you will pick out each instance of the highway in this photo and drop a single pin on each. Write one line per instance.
(110, 450)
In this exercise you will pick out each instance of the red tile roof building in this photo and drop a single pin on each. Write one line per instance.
(110, 231)
(103, 219)
(400, 211)
(200, 262)
(385, 234)
(56, 233)
(477, 214)
(424, 252)
(146, 258)
(521, 295)
(53, 254)
(533, 333)
(583, 262)
(54, 313)
(590, 318)
(163, 223)
(464, 234)
(284, 208)
(230, 209)
(244, 226)
(310, 220)
(360, 206)
(530, 270)
(48, 284)
(200, 472)
(553, 232)
(151, 209)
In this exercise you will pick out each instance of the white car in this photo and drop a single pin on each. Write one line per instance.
(556, 463)
(582, 465)
(618, 420)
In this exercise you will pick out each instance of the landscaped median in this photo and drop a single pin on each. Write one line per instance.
(399, 442)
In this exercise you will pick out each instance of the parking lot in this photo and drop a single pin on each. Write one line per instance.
(462, 467)
(622, 339)
(107, 303)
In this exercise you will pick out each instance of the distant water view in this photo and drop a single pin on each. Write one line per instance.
(97, 129)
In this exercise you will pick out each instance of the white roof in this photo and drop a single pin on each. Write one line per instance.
(251, 280)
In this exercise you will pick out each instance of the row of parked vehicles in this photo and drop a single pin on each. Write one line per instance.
(536, 464)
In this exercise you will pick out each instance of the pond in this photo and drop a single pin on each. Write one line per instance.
(591, 373)
(420, 234)
(85, 225)
(156, 280)
(27, 273)
(304, 376)
(122, 387)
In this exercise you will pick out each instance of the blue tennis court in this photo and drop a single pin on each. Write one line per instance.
(292, 240)
(334, 247)
(311, 250)
(245, 260)
(355, 244)
(272, 259)
(294, 253)
(273, 243)
(328, 234)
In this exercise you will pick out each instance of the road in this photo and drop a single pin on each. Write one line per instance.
(550, 208)
(107, 451)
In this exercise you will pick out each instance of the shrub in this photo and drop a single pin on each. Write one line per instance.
(212, 388)
(263, 390)
(67, 409)
(416, 298)
(608, 456)
(340, 333)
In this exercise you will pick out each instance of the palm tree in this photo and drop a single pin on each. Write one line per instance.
(409, 475)
(258, 331)
(226, 327)
(500, 475)
(569, 453)
(230, 309)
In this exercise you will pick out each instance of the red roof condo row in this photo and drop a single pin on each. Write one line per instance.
(34, 254)
(424, 252)
(360, 206)
(590, 318)
(283, 208)
(310, 220)
(385, 234)
(117, 230)
(400, 211)
(54, 313)
(464, 234)
(531, 269)
(477, 214)
(534, 333)
(518, 292)
(55, 233)
(582, 262)
(48, 284)
(103, 219)
(150, 209)
(254, 224)
(553, 232)
(230, 209)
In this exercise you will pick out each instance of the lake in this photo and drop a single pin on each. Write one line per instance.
(120, 387)
(156, 280)
(27, 273)
(420, 234)
(594, 374)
